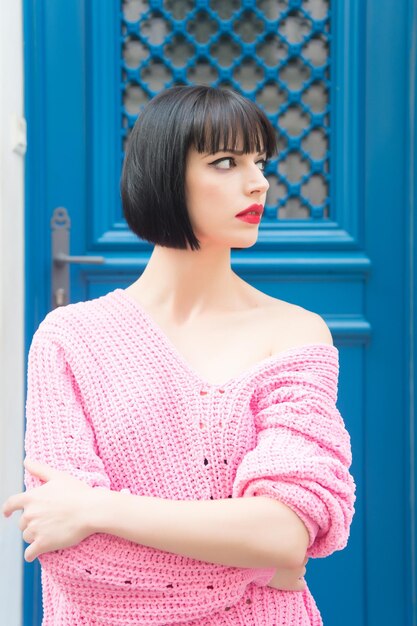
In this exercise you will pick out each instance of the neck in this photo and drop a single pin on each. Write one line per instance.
(187, 283)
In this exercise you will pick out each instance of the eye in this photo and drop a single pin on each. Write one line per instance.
(262, 164)
(224, 163)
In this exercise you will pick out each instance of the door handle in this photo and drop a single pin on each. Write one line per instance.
(61, 259)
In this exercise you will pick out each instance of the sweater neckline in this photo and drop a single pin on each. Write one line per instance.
(260, 367)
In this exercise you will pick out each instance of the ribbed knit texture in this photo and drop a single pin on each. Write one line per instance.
(111, 401)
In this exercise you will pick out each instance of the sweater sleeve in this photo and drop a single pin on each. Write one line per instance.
(58, 433)
(303, 453)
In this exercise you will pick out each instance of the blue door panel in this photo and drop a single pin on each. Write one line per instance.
(347, 260)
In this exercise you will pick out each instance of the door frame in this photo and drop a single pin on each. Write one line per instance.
(411, 281)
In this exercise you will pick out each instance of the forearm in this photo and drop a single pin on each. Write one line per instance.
(239, 532)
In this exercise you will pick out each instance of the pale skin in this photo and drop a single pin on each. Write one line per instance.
(191, 294)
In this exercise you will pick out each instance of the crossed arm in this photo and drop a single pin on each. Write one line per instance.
(239, 532)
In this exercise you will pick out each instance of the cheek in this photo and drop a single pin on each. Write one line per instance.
(204, 194)
(203, 186)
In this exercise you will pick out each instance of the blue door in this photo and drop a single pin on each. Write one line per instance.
(337, 78)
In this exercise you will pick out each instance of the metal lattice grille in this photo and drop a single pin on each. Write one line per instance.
(275, 52)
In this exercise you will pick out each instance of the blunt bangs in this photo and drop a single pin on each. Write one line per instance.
(152, 183)
(225, 120)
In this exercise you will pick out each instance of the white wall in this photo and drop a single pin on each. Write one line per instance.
(11, 308)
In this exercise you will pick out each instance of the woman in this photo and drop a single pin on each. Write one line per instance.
(185, 456)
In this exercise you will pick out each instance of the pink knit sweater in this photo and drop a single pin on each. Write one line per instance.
(112, 402)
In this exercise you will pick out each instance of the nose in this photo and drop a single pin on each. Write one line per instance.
(256, 181)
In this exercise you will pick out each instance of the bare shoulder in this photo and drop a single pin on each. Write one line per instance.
(286, 325)
(294, 326)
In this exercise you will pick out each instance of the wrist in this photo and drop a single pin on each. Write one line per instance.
(102, 504)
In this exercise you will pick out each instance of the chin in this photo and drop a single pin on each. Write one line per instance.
(234, 243)
(244, 242)
(240, 243)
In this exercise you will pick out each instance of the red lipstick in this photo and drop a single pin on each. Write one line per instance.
(252, 214)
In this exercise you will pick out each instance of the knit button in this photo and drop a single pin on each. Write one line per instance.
(248, 601)
(227, 608)
(205, 462)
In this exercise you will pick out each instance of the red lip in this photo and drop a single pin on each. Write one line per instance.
(254, 207)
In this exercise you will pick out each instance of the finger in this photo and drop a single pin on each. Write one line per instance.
(41, 470)
(22, 522)
(32, 552)
(27, 536)
(14, 503)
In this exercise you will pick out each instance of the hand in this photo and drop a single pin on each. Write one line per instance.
(55, 514)
(290, 579)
